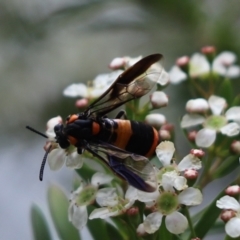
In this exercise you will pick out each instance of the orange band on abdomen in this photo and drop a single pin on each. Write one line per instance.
(154, 143)
(95, 128)
(124, 132)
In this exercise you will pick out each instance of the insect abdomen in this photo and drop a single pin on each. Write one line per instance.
(132, 136)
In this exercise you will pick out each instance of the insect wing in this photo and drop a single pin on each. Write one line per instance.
(135, 169)
(133, 83)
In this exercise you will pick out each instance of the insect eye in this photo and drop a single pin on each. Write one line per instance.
(58, 128)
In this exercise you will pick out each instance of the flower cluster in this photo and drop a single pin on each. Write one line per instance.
(201, 65)
(225, 122)
(212, 122)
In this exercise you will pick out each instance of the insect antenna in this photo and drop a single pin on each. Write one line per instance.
(43, 163)
(36, 131)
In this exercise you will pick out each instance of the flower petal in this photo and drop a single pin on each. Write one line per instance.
(233, 114)
(217, 104)
(164, 152)
(198, 65)
(228, 202)
(74, 160)
(56, 158)
(231, 129)
(233, 72)
(164, 78)
(205, 137)
(190, 197)
(190, 120)
(107, 197)
(176, 223)
(232, 227)
(78, 216)
(176, 75)
(103, 212)
(190, 162)
(152, 222)
(99, 178)
(76, 90)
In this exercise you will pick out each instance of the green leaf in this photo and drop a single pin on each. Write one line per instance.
(39, 224)
(163, 233)
(127, 233)
(58, 204)
(97, 227)
(208, 218)
(228, 165)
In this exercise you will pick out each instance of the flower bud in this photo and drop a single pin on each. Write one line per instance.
(183, 63)
(199, 105)
(140, 230)
(226, 215)
(192, 135)
(132, 211)
(235, 147)
(197, 153)
(159, 99)
(117, 63)
(164, 135)
(81, 103)
(233, 190)
(155, 119)
(191, 174)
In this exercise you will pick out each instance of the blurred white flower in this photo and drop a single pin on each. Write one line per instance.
(232, 226)
(98, 86)
(58, 156)
(199, 66)
(111, 203)
(85, 195)
(217, 122)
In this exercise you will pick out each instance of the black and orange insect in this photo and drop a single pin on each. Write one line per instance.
(124, 145)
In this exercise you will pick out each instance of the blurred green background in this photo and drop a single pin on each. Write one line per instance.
(45, 45)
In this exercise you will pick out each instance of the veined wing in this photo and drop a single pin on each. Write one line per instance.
(133, 83)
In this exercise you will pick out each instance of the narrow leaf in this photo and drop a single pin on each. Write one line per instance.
(58, 204)
(39, 224)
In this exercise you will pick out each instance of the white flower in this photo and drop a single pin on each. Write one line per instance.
(99, 85)
(175, 222)
(165, 151)
(217, 122)
(232, 226)
(200, 67)
(112, 204)
(58, 156)
(84, 196)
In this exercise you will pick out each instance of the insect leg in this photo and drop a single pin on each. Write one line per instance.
(121, 115)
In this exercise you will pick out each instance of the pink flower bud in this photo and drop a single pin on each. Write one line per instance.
(233, 190)
(208, 50)
(235, 147)
(197, 153)
(117, 63)
(191, 174)
(182, 61)
(226, 215)
(81, 103)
